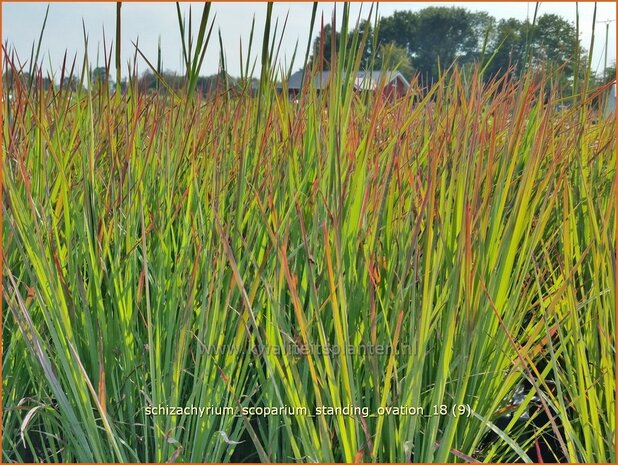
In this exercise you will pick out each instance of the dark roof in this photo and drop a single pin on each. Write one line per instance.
(319, 80)
(365, 80)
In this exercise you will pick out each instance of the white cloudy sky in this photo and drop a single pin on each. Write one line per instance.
(149, 22)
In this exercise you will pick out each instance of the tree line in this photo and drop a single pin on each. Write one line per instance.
(422, 43)
(432, 39)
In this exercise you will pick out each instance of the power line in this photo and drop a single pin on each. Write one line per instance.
(607, 23)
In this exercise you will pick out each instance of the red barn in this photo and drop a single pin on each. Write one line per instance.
(392, 83)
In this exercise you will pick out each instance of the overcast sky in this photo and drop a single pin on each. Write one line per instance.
(149, 22)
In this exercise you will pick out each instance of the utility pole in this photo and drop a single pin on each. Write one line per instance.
(607, 23)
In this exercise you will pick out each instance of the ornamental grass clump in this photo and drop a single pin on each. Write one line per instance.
(408, 262)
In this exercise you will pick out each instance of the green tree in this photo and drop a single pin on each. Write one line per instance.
(399, 29)
(550, 44)
(323, 42)
(609, 75)
(436, 37)
(554, 42)
(392, 56)
(215, 82)
(507, 47)
(444, 35)
(99, 76)
(322, 47)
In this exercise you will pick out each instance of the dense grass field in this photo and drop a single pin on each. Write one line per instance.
(450, 253)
